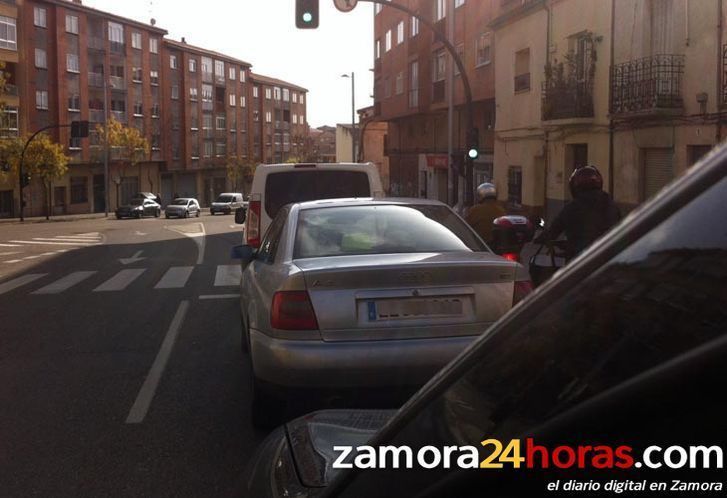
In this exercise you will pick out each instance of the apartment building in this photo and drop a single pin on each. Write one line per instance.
(78, 63)
(323, 144)
(206, 97)
(9, 99)
(371, 140)
(411, 89)
(280, 125)
(635, 87)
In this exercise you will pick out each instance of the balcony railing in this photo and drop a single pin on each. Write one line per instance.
(117, 83)
(95, 43)
(647, 84)
(95, 79)
(207, 106)
(564, 100)
(120, 116)
(522, 82)
(96, 115)
(10, 90)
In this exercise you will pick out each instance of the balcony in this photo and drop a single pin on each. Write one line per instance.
(95, 80)
(207, 106)
(95, 43)
(648, 86)
(96, 115)
(566, 100)
(117, 83)
(119, 116)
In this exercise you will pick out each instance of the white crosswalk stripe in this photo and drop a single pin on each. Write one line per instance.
(47, 243)
(228, 275)
(120, 281)
(175, 278)
(20, 281)
(65, 283)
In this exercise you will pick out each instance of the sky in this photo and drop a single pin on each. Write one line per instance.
(263, 33)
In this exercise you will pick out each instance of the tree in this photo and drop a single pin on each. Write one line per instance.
(44, 159)
(240, 172)
(132, 147)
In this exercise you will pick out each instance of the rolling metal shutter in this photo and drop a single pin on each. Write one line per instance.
(658, 170)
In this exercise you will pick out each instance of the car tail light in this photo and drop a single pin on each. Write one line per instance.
(511, 256)
(293, 310)
(253, 221)
(521, 291)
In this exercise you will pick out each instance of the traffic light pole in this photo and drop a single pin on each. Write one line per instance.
(469, 114)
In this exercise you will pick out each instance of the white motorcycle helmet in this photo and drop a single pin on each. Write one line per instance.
(486, 191)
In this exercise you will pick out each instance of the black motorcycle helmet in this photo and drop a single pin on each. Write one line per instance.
(585, 178)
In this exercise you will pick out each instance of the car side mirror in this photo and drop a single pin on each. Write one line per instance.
(240, 215)
(244, 253)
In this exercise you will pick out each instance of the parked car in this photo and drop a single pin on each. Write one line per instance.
(227, 203)
(184, 207)
(139, 207)
(366, 293)
(625, 346)
(275, 185)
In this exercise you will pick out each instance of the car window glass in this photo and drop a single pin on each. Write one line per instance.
(307, 185)
(381, 229)
(660, 297)
(269, 244)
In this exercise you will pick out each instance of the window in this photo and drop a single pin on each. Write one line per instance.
(268, 93)
(154, 45)
(255, 92)
(515, 185)
(40, 17)
(208, 149)
(522, 70)
(136, 74)
(439, 66)
(377, 49)
(460, 54)
(400, 83)
(400, 33)
(232, 73)
(220, 69)
(175, 92)
(458, 3)
(301, 119)
(440, 9)
(41, 99)
(286, 95)
(220, 149)
(206, 66)
(414, 84)
(233, 100)
(192, 65)
(414, 26)
(116, 33)
(193, 94)
(387, 46)
(79, 189)
(71, 24)
(173, 63)
(220, 122)
(207, 121)
(154, 77)
(242, 75)
(41, 61)
(72, 64)
(302, 98)
(8, 33)
(295, 98)
(138, 109)
(136, 40)
(256, 116)
(483, 50)
(295, 119)
(276, 93)
(74, 103)
(206, 93)
(155, 110)
(268, 117)
(243, 101)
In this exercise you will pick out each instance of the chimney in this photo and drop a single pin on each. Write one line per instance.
(153, 22)
(184, 40)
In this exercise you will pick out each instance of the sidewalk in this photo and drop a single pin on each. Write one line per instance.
(66, 217)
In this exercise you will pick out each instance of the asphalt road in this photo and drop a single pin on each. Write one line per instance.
(120, 366)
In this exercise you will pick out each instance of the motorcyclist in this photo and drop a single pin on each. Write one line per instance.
(487, 209)
(589, 215)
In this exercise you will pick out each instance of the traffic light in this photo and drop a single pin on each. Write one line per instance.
(79, 129)
(25, 179)
(306, 14)
(473, 143)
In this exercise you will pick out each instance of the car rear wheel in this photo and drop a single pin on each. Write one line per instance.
(186, 214)
(198, 213)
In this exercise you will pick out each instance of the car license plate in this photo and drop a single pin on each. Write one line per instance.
(404, 309)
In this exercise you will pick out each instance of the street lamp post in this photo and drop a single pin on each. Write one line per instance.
(107, 200)
(353, 114)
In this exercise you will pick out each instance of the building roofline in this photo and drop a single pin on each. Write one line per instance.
(517, 14)
(200, 50)
(67, 4)
(275, 81)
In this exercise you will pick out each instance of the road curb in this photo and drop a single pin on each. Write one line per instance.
(53, 219)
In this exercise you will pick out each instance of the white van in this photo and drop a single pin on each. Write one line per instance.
(275, 185)
(227, 202)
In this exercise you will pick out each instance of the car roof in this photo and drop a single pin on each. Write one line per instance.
(184, 199)
(367, 201)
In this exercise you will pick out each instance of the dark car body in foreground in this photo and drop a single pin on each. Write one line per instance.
(625, 347)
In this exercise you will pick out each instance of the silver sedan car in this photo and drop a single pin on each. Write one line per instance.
(183, 207)
(366, 293)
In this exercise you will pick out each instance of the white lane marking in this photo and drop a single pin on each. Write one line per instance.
(54, 243)
(228, 275)
(120, 281)
(10, 245)
(82, 236)
(65, 283)
(31, 257)
(20, 281)
(13, 261)
(63, 239)
(220, 296)
(134, 259)
(89, 234)
(9, 253)
(175, 278)
(197, 233)
(148, 389)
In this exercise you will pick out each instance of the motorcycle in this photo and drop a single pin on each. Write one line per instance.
(510, 233)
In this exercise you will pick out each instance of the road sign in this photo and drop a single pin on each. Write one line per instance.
(345, 5)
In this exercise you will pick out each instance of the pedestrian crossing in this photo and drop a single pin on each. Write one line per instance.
(55, 245)
(102, 282)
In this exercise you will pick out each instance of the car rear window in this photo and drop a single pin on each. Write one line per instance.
(381, 229)
(225, 198)
(179, 202)
(300, 186)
